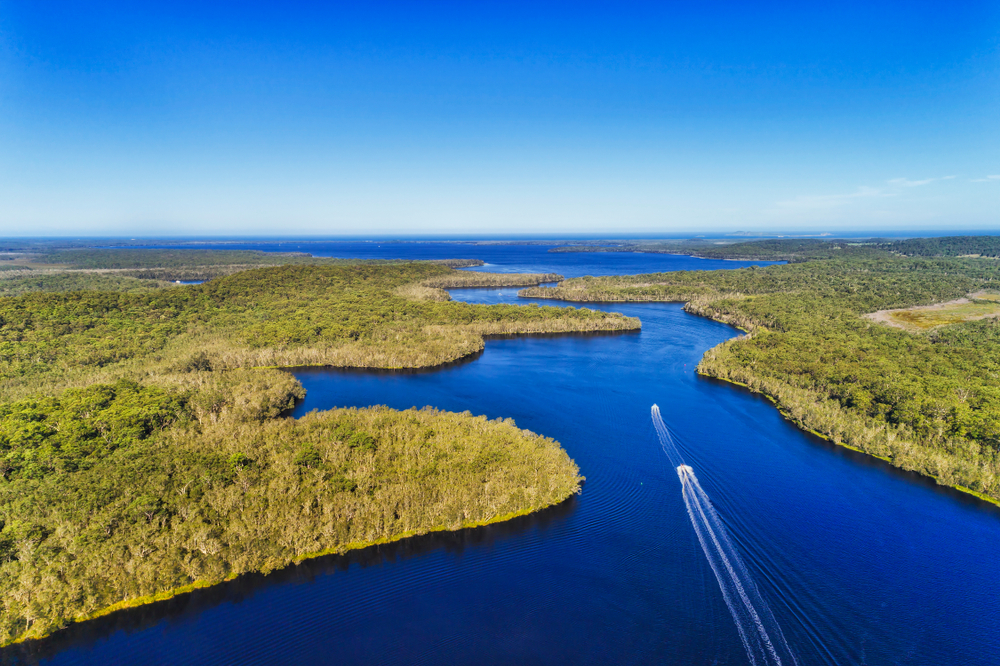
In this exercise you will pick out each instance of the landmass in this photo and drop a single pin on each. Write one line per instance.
(144, 444)
(801, 249)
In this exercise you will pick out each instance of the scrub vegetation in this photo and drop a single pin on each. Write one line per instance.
(349, 316)
(143, 448)
(928, 402)
(144, 490)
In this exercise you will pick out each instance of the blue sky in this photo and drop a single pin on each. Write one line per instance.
(381, 118)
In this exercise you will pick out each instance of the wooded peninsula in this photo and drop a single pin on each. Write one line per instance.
(144, 447)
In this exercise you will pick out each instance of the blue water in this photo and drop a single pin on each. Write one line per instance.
(860, 563)
(502, 258)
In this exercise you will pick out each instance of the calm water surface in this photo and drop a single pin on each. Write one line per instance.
(861, 564)
(498, 257)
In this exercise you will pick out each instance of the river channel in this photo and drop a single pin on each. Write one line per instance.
(860, 563)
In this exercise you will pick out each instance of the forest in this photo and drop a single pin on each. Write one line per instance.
(927, 402)
(145, 451)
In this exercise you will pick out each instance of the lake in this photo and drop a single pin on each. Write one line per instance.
(499, 257)
(859, 563)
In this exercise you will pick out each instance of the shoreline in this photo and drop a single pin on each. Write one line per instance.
(788, 417)
(146, 600)
(606, 325)
(676, 254)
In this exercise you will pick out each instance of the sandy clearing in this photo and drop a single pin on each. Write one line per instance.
(885, 316)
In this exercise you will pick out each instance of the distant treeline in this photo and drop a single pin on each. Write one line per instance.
(790, 250)
(61, 269)
(806, 249)
(179, 258)
(53, 268)
(458, 263)
(459, 279)
(947, 246)
(929, 403)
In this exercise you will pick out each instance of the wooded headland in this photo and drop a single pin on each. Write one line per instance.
(143, 449)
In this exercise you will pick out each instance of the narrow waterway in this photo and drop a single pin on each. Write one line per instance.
(858, 562)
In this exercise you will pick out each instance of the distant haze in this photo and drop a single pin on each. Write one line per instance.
(504, 118)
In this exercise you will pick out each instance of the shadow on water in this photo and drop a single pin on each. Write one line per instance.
(328, 369)
(866, 460)
(465, 360)
(131, 620)
(562, 334)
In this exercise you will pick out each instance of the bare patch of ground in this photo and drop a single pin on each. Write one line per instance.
(981, 305)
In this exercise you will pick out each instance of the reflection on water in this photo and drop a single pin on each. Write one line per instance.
(245, 587)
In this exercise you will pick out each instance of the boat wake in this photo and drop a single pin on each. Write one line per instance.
(759, 631)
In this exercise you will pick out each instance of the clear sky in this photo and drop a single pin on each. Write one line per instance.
(478, 117)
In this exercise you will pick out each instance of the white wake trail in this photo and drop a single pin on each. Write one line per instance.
(759, 631)
(666, 441)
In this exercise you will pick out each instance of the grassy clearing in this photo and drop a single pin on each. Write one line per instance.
(927, 317)
(924, 319)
